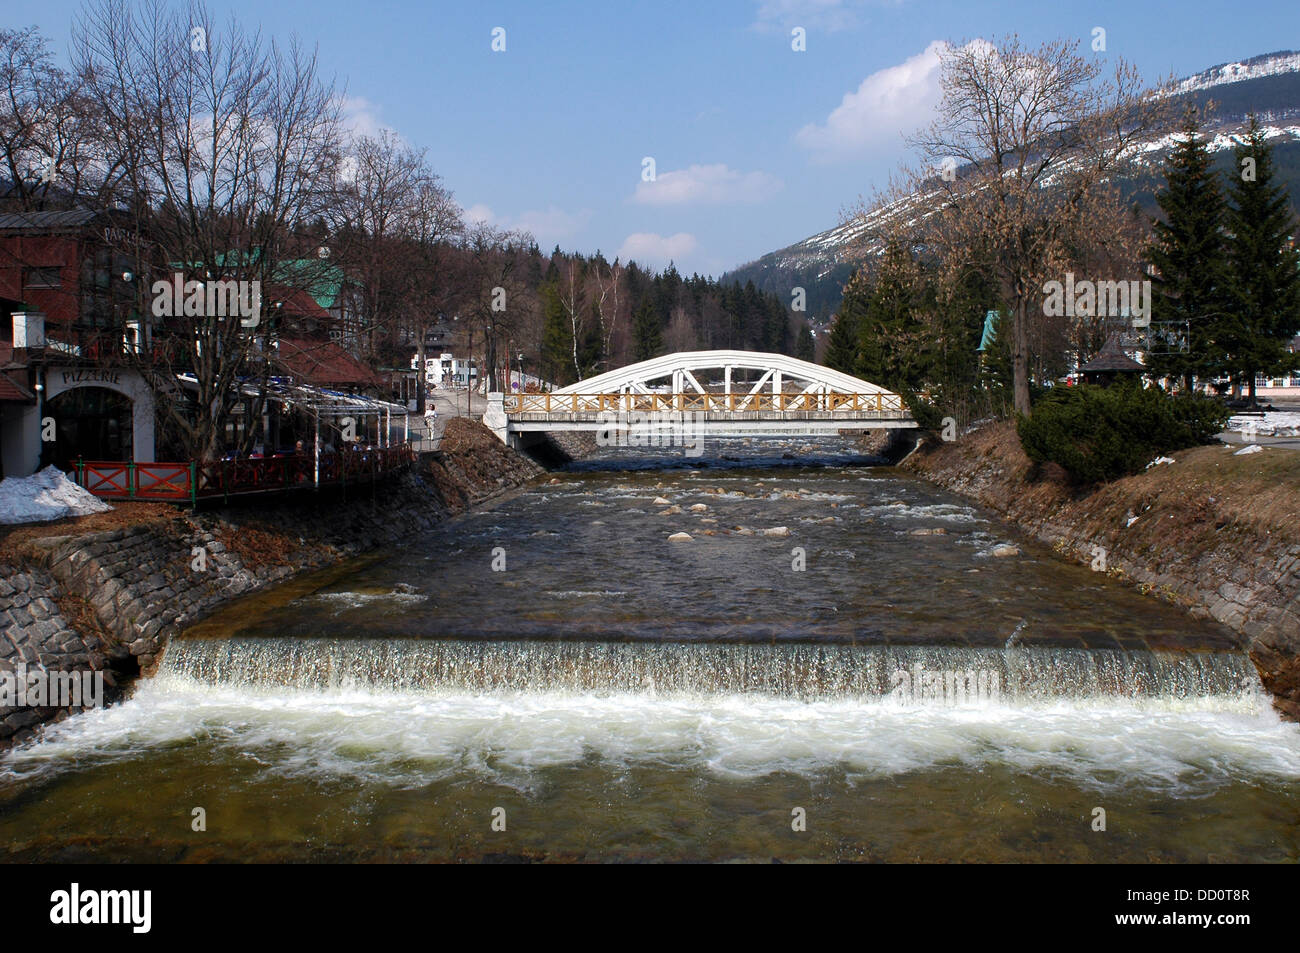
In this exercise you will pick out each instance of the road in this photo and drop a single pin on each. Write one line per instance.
(1289, 443)
(449, 403)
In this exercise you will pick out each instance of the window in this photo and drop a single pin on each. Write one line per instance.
(43, 278)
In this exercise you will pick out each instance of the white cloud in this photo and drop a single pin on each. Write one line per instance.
(827, 15)
(648, 248)
(549, 226)
(361, 117)
(478, 214)
(706, 185)
(892, 101)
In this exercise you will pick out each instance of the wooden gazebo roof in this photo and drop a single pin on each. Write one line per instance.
(1111, 359)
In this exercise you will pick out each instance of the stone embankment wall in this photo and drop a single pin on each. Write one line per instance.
(1216, 533)
(108, 601)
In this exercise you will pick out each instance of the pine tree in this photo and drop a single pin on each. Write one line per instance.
(1190, 257)
(1264, 269)
(557, 337)
(893, 348)
(776, 329)
(842, 345)
(647, 331)
(806, 348)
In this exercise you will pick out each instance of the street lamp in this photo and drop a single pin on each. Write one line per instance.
(521, 372)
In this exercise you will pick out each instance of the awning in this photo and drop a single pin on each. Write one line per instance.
(313, 400)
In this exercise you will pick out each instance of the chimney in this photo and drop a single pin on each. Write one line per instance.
(29, 329)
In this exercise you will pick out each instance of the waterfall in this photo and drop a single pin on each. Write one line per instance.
(925, 675)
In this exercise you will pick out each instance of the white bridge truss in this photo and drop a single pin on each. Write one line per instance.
(703, 391)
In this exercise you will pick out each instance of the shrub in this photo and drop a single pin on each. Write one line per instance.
(1097, 434)
(926, 414)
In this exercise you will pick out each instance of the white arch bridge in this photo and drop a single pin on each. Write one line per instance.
(718, 393)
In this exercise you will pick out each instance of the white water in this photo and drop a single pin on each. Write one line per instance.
(1189, 737)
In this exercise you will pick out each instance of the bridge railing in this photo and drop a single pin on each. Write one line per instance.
(847, 404)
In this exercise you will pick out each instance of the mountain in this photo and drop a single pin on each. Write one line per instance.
(1268, 84)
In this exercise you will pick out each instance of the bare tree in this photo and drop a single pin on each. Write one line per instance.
(573, 294)
(1017, 166)
(219, 145)
(434, 222)
(374, 213)
(609, 301)
(493, 293)
(681, 333)
(47, 128)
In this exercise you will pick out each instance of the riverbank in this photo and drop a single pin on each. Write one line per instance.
(555, 659)
(1215, 532)
(104, 593)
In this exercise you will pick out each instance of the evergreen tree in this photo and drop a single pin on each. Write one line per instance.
(557, 337)
(1264, 269)
(806, 348)
(1190, 257)
(842, 346)
(893, 349)
(779, 338)
(647, 331)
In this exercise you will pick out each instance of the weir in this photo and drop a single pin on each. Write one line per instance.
(929, 675)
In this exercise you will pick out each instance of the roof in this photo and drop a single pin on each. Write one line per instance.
(38, 221)
(12, 387)
(12, 391)
(314, 400)
(321, 279)
(323, 364)
(1111, 359)
(297, 303)
(990, 334)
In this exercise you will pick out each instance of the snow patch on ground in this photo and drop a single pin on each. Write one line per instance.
(45, 496)
(1275, 423)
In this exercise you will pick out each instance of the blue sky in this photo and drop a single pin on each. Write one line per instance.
(755, 145)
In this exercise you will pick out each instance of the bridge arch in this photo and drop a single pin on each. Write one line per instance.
(673, 391)
(681, 368)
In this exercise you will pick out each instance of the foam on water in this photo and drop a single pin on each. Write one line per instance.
(945, 512)
(406, 713)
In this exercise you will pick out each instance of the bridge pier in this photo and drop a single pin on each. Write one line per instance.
(494, 417)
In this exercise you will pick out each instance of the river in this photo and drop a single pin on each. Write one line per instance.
(551, 678)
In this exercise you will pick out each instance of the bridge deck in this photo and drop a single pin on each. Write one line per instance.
(714, 413)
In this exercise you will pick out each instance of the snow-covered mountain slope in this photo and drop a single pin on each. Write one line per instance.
(1257, 67)
(1268, 85)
